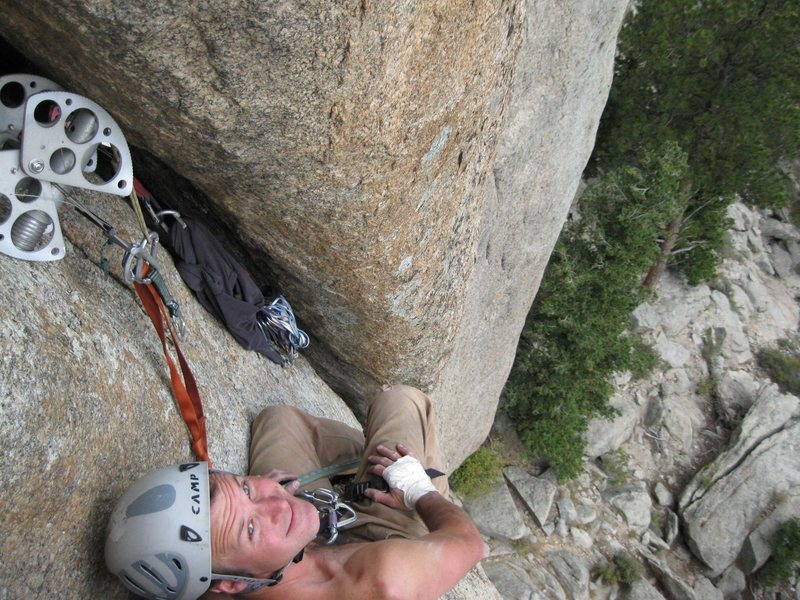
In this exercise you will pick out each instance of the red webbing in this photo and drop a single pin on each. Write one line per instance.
(186, 394)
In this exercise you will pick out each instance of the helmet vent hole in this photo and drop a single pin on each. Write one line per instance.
(177, 564)
(135, 586)
(150, 572)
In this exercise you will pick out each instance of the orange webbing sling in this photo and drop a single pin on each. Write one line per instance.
(186, 394)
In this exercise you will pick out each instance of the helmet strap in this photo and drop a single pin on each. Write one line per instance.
(253, 584)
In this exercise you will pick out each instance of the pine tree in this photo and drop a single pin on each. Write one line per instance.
(721, 78)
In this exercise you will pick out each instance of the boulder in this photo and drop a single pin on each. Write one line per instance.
(742, 217)
(496, 514)
(582, 538)
(756, 549)
(674, 584)
(671, 527)
(571, 572)
(681, 412)
(546, 582)
(735, 346)
(705, 590)
(606, 435)
(782, 261)
(670, 351)
(585, 514)
(536, 493)
(680, 305)
(640, 590)
(776, 310)
(735, 391)
(663, 495)
(740, 302)
(566, 508)
(773, 229)
(562, 74)
(794, 251)
(654, 412)
(732, 583)
(511, 580)
(727, 499)
(633, 502)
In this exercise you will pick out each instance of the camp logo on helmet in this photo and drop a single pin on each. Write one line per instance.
(194, 483)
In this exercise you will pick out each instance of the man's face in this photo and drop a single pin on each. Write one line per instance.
(257, 527)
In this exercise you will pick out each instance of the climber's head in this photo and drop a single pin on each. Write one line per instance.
(257, 527)
(160, 541)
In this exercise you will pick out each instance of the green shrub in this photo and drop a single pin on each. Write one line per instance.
(628, 570)
(785, 545)
(479, 473)
(783, 367)
(615, 465)
(706, 387)
(606, 573)
(623, 569)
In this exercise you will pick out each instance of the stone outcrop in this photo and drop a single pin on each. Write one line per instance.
(728, 498)
(396, 168)
(606, 435)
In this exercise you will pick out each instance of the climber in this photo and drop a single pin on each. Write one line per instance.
(185, 531)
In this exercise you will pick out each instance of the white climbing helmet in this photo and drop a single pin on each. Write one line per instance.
(159, 536)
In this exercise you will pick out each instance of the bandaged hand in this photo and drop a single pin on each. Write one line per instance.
(409, 476)
(404, 473)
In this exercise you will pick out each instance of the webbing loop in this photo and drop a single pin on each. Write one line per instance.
(185, 390)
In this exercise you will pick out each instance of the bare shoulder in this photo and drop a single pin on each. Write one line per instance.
(386, 569)
(396, 568)
(354, 571)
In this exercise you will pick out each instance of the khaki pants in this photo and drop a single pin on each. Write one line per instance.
(284, 437)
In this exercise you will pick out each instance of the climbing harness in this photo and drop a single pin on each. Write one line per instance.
(333, 513)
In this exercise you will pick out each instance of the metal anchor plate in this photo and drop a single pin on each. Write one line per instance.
(15, 90)
(73, 141)
(29, 226)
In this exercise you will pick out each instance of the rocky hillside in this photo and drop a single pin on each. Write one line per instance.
(700, 466)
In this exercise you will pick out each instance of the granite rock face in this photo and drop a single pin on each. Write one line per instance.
(399, 170)
(396, 168)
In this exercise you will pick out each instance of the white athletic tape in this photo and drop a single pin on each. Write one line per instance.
(409, 476)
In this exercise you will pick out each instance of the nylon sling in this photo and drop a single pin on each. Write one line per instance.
(184, 389)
